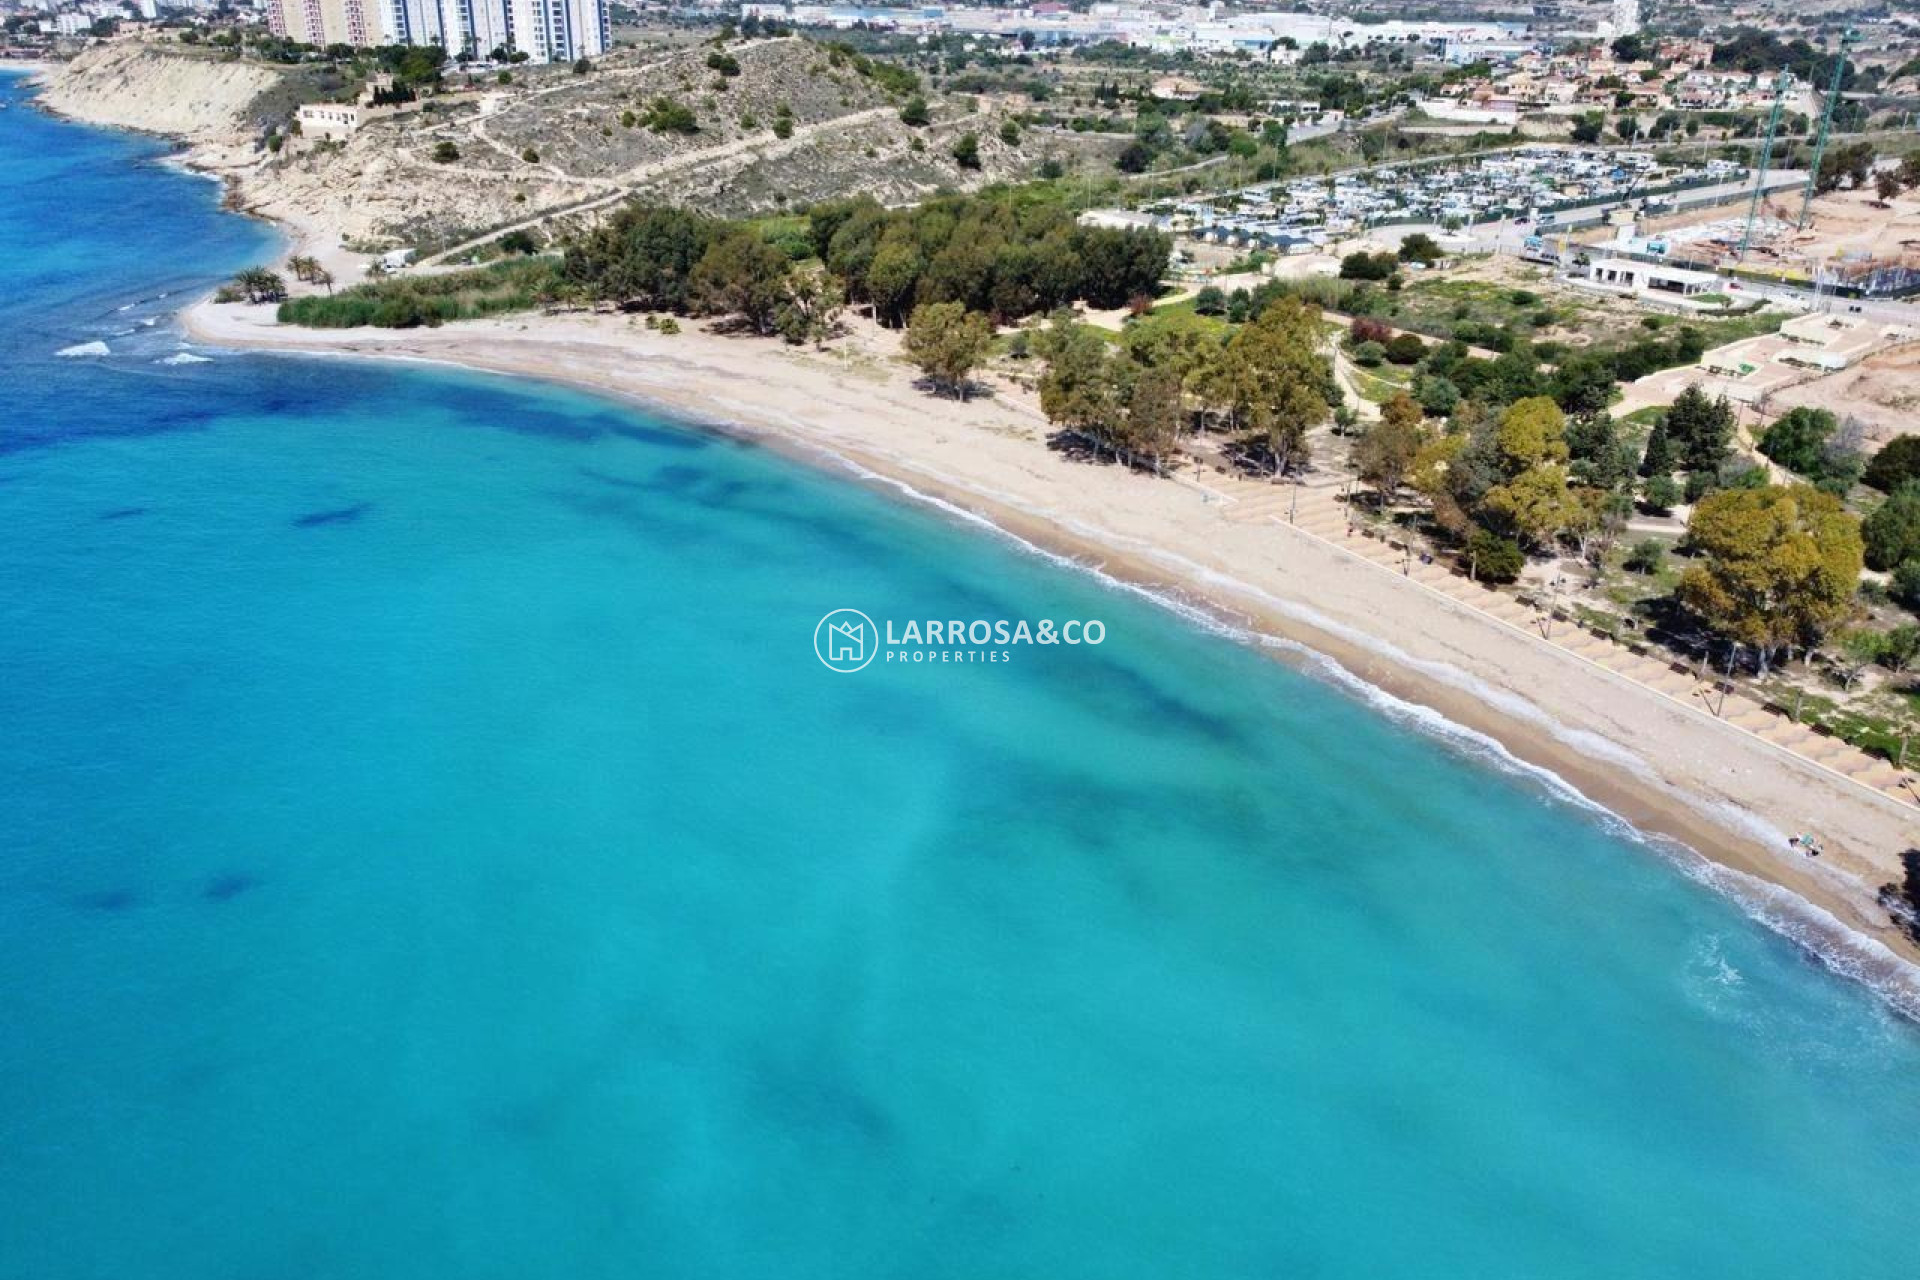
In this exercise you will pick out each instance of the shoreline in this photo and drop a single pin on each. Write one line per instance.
(1700, 791)
(1730, 839)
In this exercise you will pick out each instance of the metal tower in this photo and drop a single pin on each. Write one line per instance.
(1780, 86)
(1847, 39)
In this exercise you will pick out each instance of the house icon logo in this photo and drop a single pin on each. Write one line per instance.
(846, 640)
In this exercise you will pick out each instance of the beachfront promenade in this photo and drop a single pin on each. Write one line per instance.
(1318, 509)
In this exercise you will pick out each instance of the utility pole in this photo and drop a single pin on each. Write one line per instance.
(1847, 38)
(1780, 86)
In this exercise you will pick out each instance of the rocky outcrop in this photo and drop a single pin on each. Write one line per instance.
(191, 94)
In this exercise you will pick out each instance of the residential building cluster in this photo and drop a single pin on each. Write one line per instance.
(1680, 76)
(1206, 29)
(543, 30)
(63, 18)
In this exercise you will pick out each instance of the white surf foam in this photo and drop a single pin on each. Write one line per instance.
(82, 349)
(185, 357)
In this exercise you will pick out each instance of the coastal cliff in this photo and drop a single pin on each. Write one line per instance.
(197, 96)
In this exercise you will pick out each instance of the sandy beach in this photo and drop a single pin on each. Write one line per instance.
(1669, 769)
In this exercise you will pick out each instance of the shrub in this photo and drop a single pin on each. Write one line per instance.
(530, 156)
(1492, 558)
(1906, 585)
(1406, 349)
(665, 115)
(1369, 354)
(514, 284)
(725, 63)
(1647, 556)
(915, 114)
(966, 152)
(444, 152)
(1662, 493)
(1366, 329)
(1369, 266)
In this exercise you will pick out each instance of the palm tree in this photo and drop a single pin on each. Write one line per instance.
(261, 285)
(322, 276)
(303, 267)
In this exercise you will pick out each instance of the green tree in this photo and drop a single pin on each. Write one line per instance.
(1079, 389)
(1659, 458)
(811, 310)
(1858, 650)
(966, 152)
(1535, 506)
(444, 152)
(741, 275)
(1906, 584)
(1385, 452)
(947, 342)
(914, 114)
(1778, 566)
(1583, 384)
(1155, 410)
(891, 280)
(1601, 459)
(641, 257)
(1897, 462)
(257, 284)
(1272, 380)
(1661, 492)
(1892, 532)
(1437, 395)
(1701, 429)
(1420, 247)
(1532, 432)
(1010, 133)
(1797, 440)
(1492, 558)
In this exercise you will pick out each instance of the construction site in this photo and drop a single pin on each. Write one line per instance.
(1852, 243)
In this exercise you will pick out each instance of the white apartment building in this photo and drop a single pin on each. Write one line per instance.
(544, 30)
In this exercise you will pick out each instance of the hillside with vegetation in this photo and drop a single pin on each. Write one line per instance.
(734, 126)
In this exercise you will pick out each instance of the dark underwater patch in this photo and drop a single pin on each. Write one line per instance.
(338, 515)
(123, 513)
(225, 888)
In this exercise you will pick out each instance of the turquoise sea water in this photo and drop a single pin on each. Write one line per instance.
(429, 847)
